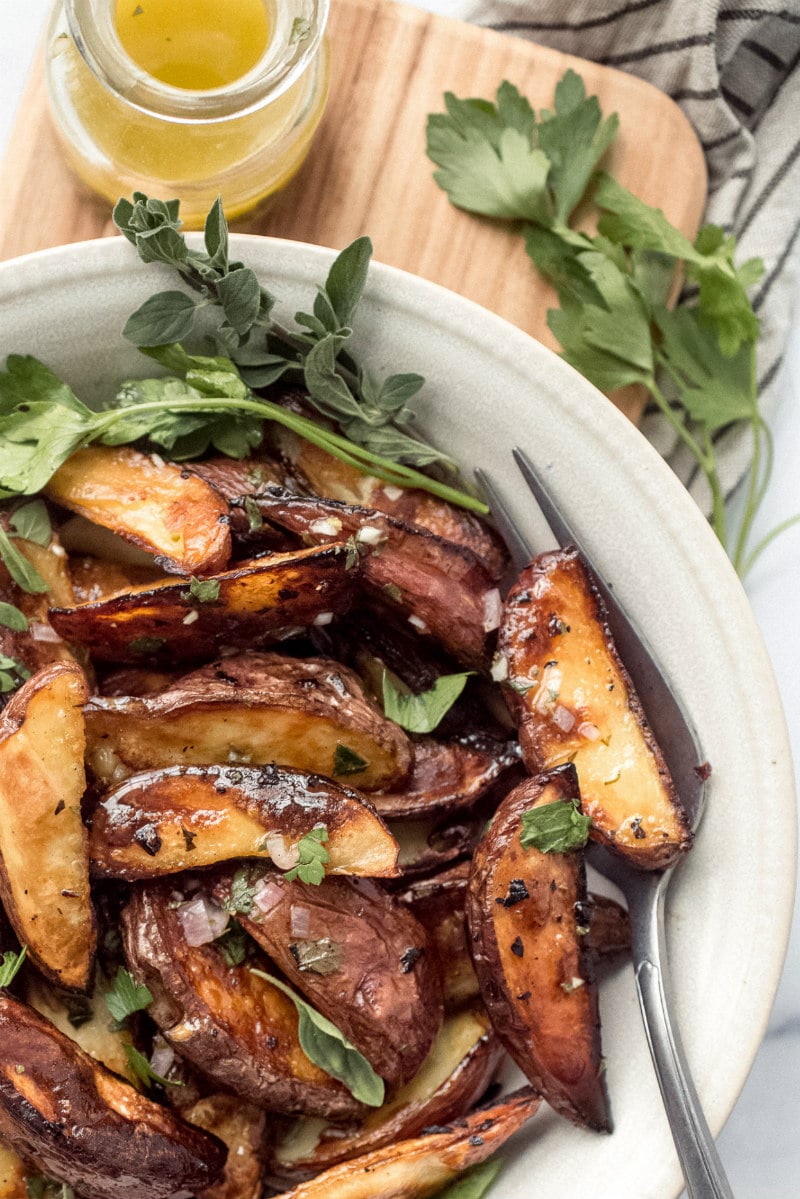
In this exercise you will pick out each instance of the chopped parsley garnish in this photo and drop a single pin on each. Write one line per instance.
(314, 857)
(555, 827)
(127, 996)
(347, 761)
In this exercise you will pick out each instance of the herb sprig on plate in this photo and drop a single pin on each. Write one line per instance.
(698, 363)
(208, 401)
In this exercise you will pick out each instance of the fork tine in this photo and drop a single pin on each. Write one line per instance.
(521, 552)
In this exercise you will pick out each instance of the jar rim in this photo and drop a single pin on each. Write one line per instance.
(285, 58)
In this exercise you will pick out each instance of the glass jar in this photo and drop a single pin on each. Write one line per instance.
(124, 130)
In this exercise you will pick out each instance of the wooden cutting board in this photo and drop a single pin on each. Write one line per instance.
(368, 171)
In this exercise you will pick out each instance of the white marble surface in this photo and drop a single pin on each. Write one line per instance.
(760, 1144)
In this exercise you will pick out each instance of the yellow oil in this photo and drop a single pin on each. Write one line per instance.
(193, 44)
(116, 148)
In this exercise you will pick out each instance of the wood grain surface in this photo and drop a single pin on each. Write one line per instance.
(368, 172)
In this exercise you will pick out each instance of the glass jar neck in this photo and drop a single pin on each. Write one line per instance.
(296, 29)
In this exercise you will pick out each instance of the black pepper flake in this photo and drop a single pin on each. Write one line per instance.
(636, 826)
(432, 1129)
(287, 593)
(524, 996)
(272, 1042)
(59, 808)
(703, 771)
(70, 894)
(517, 891)
(409, 959)
(517, 948)
(552, 885)
(224, 519)
(147, 837)
(476, 1141)
(188, 837)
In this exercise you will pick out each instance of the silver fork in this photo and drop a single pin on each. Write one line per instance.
(645, 891)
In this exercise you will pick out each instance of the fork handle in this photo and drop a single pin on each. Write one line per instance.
(702, 1168)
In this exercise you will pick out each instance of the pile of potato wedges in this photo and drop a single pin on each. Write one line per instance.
(213, 838)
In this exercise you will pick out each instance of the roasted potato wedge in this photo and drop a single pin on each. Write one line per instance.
(85, 1126)
(360, 958)
(429, 845)
(534, 967)
(44, 854)
(240, 1126)
(258, 603)
(155, 505)
(86, 1021)
(447, 776)
(234, 1027)
(252, 709)
(418, 1168)
(39, 644)
(164, 821)
(96, 579)
(442, 589)
(575, 702)
(319, 473)
(453, 1077)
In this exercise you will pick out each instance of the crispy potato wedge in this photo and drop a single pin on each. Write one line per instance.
(575, 702)
(96, 579)
(446, 777)
(359, 957)
(234, 1027)
(13, 1174)
(258, 603)
(455, 1074)
(164, 821)
(85, 1126)
(240, 1126)
(418, 1168)
(86, 1021)
(442, 588)
(44, 854)
(156, 505)
(252, 709)
(531, 958)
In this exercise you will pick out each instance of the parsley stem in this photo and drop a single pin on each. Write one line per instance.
(718, 516)
(347, 451)
(677, 424)
(756, 553)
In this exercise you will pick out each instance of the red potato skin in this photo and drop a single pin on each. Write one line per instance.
(386, 997)
(447, 776)
(523, 912)
(85, 1126)
(443, 589)
(237, 1030)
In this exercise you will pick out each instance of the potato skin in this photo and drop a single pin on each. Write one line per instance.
(182, 818)
(265, 707)
(235, 1028)
(564, 669)
(86, 1126)
(385, 993)
(447, 776)
(421, 1167)
(442, 588)
(524, 914)
(461, 1064)
(153, 504)
(259, 602)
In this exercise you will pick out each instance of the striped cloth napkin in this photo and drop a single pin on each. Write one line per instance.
(733, 69)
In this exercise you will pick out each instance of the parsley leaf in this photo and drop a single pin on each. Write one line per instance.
(205, 591)
(474, 1183)
(12, 618)
(144, 1071)
(314, 857)
(347, 761)
(242, 893)
(423, 712)
(327, 1047)
(10, 965)
(555, 827)
(127, 996)
(232, 944)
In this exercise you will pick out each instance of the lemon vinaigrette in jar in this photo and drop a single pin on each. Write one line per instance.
(188, 98)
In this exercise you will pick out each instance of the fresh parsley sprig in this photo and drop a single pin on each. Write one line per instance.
(372, 414)
(313, 857)
(11, 965)
(127, 996)
(555, 827)
(697, 363)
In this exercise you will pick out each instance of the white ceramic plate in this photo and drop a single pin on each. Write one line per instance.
(491, 387)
